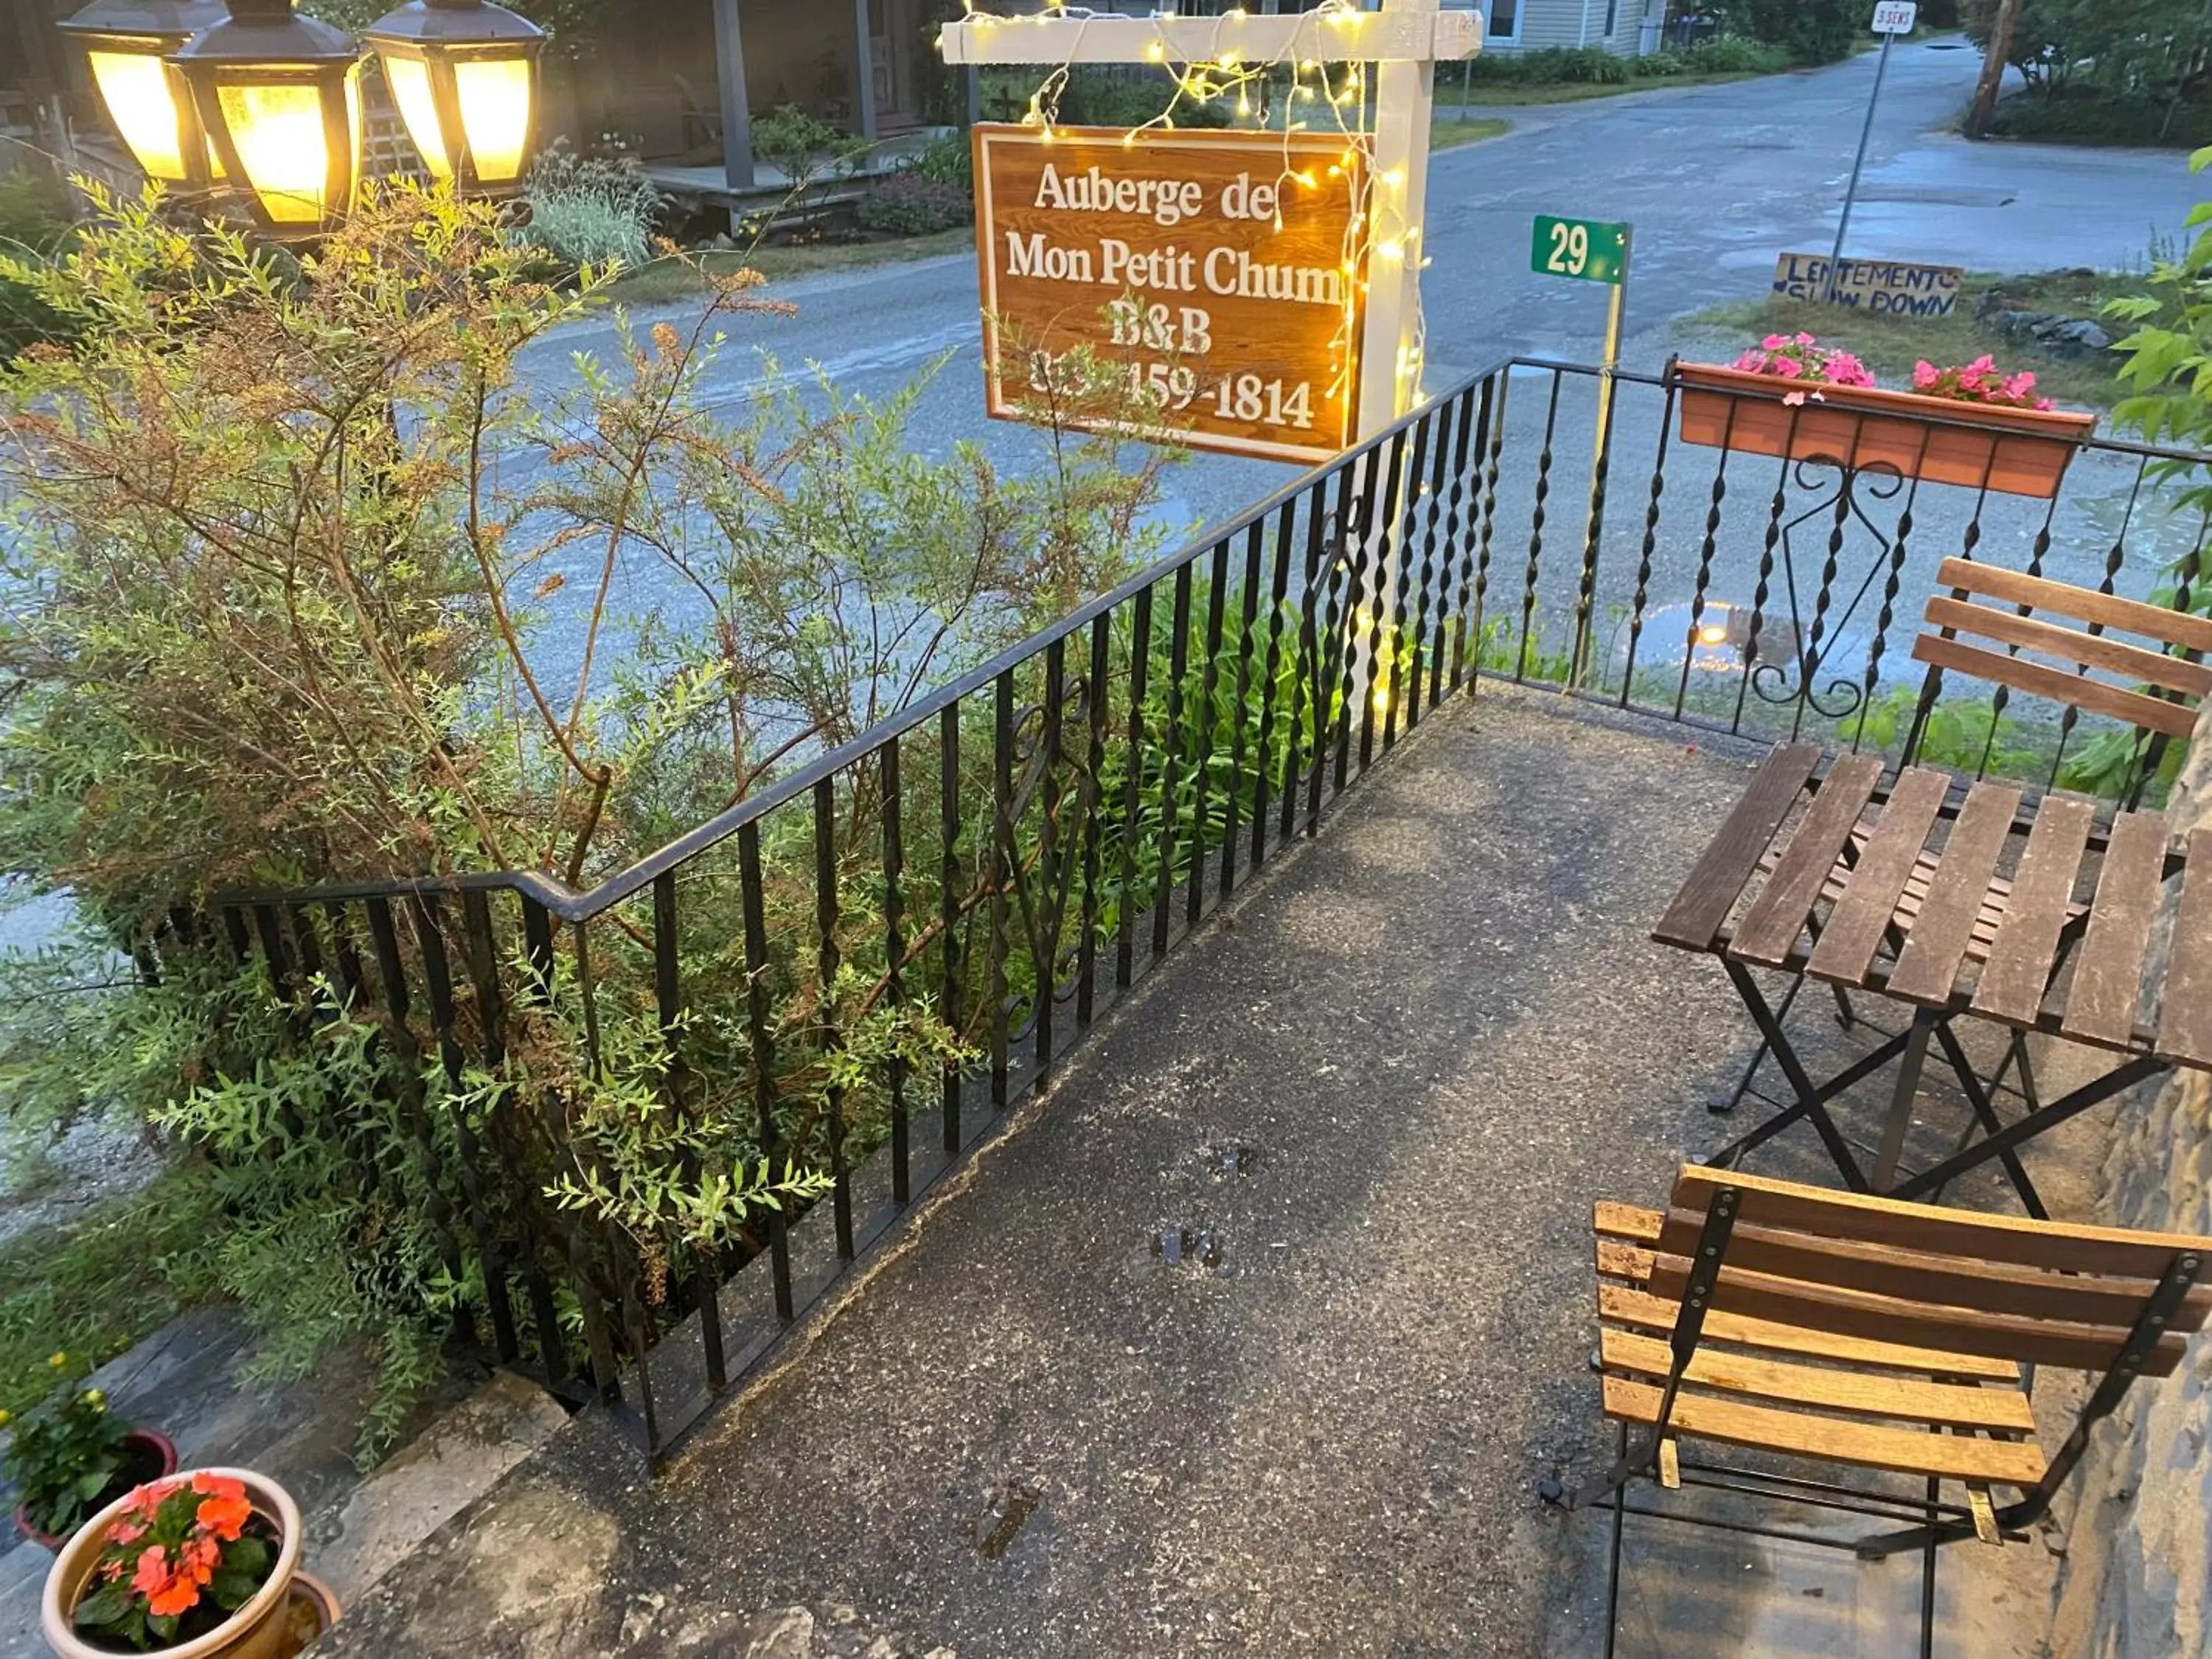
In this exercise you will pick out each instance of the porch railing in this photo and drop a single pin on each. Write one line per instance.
(1016, 850)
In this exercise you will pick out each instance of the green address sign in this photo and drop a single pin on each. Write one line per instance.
(1581, 248)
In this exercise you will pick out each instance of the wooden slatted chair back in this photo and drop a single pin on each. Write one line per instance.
(2140, 665)
(2032, 1292)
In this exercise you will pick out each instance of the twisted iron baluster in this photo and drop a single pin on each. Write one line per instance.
(1705, 553)
(1473, 434)
(1766, 574)
(2114, 558)
(1489, 525)
(1578, 654)
(1650, 543)
(1536, 529)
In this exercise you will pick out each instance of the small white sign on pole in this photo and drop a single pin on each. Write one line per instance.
(1896, 16)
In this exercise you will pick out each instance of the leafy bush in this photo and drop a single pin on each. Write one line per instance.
(2145, 50)
(2083, 114)
(589, 213)
(290, 559)
(908, 204)
(1659, 65)
(35, 223)
(949, 159)
(791, 139)
(1808, 31)
(1730, 54)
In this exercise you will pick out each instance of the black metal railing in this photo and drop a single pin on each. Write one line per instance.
(1011, 854)
(1013, 851)
(1777, 595)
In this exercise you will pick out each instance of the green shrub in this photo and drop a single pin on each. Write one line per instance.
(586, 212)
(1731, 54)
(35, 224)
(1808, 31)
(794, 141)
(1657, 65)
(2082, 115)
(949, 161)
(911, 204)
(1574, 66)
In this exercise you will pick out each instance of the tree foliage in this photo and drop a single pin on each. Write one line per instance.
(1811, 31)
(327, 571)
(2130, 49)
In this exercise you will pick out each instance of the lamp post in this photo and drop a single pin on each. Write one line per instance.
(125, 43)
(248, 94)
(464, 74)
(280, 97)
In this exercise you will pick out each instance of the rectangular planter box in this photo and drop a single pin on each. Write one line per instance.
(2018, 452)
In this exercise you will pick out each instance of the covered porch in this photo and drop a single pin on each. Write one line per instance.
(686, 83)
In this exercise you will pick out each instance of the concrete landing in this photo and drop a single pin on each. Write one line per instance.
(1442, 1033)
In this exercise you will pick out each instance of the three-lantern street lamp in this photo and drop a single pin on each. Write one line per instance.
(248, 96)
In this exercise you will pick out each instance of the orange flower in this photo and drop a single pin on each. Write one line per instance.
(202, 1556)
(225, 1516)
(167, 1593)
(179, 1595)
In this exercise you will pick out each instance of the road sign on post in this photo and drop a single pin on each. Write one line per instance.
(1589, 251)
(1891, 19)
(1581, 248)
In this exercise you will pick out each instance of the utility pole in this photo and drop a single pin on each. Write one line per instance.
(2003, 27)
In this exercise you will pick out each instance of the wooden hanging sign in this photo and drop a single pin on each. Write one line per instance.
(1220, 270)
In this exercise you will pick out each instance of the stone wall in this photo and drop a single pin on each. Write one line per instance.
(2138, 1578)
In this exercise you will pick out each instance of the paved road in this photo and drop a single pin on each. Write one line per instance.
(1716, 179)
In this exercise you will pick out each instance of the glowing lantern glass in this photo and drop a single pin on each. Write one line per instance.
(280, 97)
(124, 43)
(464, 75)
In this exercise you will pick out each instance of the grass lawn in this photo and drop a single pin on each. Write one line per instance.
(671, 279)
(1507, 94)
(1449, 133)
(1891, 345)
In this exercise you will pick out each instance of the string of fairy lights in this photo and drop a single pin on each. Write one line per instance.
(1379, 228)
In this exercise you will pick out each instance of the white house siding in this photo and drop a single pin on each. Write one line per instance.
(1572, 23)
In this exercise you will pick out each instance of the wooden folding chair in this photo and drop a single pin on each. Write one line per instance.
(1839, 1328)
(2030, 637)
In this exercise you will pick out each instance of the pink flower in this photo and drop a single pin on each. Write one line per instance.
(1793, 399)
(1924, 375)
(1805, 340)
(2045, 403)
(1774, 343)
(1788, 367)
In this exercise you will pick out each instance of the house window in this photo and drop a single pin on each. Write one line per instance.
(1504, 20)
(1612, 17)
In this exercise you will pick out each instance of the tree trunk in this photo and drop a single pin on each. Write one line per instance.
(2001, 29)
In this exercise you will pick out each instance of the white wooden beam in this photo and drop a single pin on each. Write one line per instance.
(1329, 37)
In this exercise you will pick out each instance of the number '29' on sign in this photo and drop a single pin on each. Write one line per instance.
(1587, 250)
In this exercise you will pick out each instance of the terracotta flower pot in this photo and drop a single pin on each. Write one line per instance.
(256, 1631)
(2018, 452)
(146, 1456)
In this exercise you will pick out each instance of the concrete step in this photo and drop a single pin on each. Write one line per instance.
(185, 1381)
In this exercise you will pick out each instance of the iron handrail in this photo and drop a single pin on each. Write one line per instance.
(572, 906)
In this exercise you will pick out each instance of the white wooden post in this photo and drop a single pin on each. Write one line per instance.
(1402, 44)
